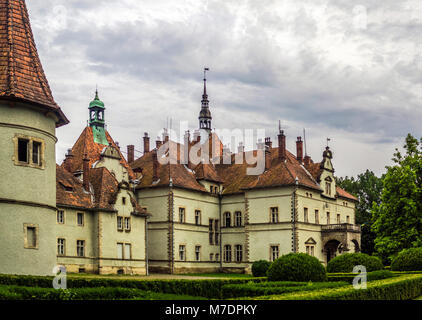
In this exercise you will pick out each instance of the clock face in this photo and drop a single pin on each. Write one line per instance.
(92, 114)
(100, 115)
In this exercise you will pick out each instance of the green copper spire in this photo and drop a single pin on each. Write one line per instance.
(96, 120)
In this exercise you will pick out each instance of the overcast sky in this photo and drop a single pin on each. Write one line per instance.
(345, 70)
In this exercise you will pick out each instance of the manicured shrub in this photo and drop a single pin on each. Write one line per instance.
(200, 288)
(346, 262)
(271, 288)
(260, 268)
(379, 275)
(408, 260)
(297, 267)
(398, 288)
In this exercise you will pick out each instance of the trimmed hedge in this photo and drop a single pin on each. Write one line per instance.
(408, 260)
(297, 267)
(210, 289)
(260, 268)
(371, 276)
(253, 289)
(397, 288)
(26, 293)
(346, 262)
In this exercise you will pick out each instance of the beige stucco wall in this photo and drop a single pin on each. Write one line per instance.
(27, 195)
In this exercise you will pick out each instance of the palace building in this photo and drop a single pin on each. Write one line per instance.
(102, 212)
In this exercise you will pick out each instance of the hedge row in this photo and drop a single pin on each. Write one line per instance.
(398, 288)
(211, 289)
(26, 293)
(260, 289)
(370, 276)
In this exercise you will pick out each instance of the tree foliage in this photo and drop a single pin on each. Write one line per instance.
(398, 217)
(367, 187)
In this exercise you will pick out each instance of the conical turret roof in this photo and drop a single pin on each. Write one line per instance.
(22, 76)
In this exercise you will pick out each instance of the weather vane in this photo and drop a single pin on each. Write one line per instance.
(205, 73)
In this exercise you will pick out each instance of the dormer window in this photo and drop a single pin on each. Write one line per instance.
(328, 188)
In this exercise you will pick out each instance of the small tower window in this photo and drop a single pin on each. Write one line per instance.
(23, 150)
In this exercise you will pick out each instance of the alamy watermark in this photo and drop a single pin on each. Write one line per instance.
(360, 281)
(60, 279)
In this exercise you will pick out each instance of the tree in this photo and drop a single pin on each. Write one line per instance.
(398, 218)
(367, 188)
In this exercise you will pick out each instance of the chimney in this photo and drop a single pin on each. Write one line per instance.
(158, 143)
(154, 166)
(130, 153)
(146, 143)
(268, 158)
(86, 172)
(268, 143)
(282, 146)
(196, 136)
(186, 147)
(241, 148)
(166, 136)
(299, 149)
(307, 161)
(69, 161)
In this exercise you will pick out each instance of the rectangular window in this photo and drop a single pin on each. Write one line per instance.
(308, 251)
(182, 253)
(338, 219)
(348, 219)
(316, 216)
(239, 253)
(61, 246)
(211, 232)
(31, 236)
(127, 224)
(312, 251)
(274, 215)
(120, 223)
(228, 219)
(120, 251)
(211, 256)
(197, 217)
(36, 153)
(81, 219)
(23, 150)
(217, 232)
(60, 217)
(305, 215)
(198, 253)
(228, 253)
(274, 250)
(238, 218)
(80, 248)
(328, 218)
(128, 251)
(328, 188)
(217, 257)
(182, 215)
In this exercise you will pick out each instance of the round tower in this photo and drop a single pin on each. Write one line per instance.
(29, 117)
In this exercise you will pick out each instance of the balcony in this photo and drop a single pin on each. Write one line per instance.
(344, 227)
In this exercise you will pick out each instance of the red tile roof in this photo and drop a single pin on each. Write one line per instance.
(22, 77)
(234, 177)
(86, 145)
(71, 193)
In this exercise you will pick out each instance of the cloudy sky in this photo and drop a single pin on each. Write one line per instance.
(341, 69)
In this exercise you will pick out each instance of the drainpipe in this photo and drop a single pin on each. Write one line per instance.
(294, 215)
(220, 196)
(172, 225)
